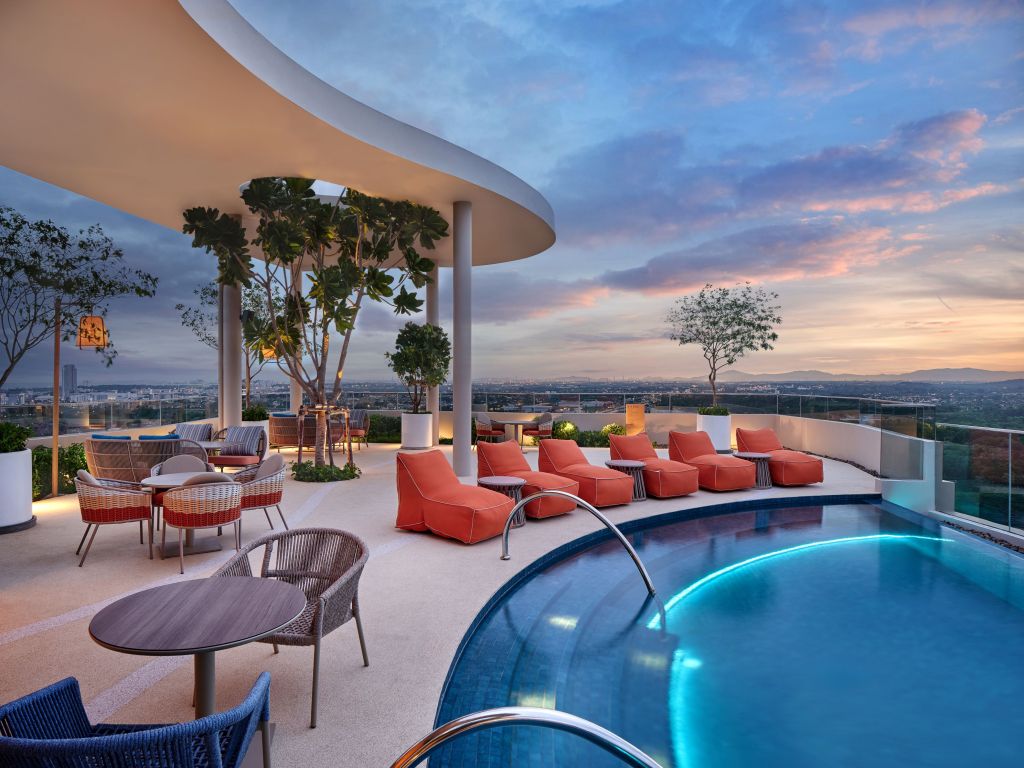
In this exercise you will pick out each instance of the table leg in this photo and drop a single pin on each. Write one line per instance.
(206, 687)
(192, 547)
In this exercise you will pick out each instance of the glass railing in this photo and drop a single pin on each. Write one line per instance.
(77, 418)
(987, 468)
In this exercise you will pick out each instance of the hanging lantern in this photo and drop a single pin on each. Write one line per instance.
(92, 333)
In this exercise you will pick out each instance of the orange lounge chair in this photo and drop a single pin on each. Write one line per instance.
(663, 478)
(787, 467)
(431, 498)
(507, 459)
(716, 471)
(600, 486)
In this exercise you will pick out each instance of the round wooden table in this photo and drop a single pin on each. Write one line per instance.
(634, 469)
(198, 618)
(176, 480)
(760, 461)
(511, 487)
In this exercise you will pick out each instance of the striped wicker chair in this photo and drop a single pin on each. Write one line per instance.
(209, 500)
(263, 487)
(105, 502)
(326, 564)
(243, 447)
(486, 430)
(51, 728)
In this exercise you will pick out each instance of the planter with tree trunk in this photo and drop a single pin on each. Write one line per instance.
(15, 479)
(421, 359)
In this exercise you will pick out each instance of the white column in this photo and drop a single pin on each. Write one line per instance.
(462, 352)
(434, 318)
(231, 355)
(294, 388)
(220, 357)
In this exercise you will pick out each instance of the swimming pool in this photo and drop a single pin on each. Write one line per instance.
(845, 634)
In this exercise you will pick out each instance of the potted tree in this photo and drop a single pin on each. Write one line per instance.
(256, 415)
(725, 323)
(15, 479)
(421, 359)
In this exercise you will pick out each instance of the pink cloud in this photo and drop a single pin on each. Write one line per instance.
(906, 202)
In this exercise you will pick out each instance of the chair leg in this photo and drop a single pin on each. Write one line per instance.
(238, 535)
(283, 521)
(316, 683)
(140, 531)
(359, 631)
(265, 512)
(181, 552)
(276, 649)
(265, 738)
(151, 538)
(163, 540)
(88, 526)
(89, 545)
(220, 530)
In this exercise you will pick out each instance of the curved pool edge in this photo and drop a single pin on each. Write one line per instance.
(631, 526)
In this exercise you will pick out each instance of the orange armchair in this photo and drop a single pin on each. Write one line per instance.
(786, 467)
(431, 498)
(663, 478)
(507, 459)
(715, 471)
(600, 486)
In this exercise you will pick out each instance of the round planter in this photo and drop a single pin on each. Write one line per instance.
(417, 430)
(719, 429)
(16, 491)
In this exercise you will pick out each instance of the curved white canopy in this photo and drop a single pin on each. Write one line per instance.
(156, 106)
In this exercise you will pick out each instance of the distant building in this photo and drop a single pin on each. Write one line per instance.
(68, 381)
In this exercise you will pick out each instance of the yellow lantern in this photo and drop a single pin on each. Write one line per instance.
(92, 333)
(269, 353)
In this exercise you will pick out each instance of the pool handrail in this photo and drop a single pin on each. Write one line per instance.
(546, 718)
(592, 510)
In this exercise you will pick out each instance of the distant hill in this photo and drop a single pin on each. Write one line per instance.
(969, 375)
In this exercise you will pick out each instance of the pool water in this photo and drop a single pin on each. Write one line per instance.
(840, 635)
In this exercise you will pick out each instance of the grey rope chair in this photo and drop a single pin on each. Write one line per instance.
(325, 563)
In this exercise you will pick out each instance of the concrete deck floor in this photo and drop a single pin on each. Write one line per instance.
(419, 593)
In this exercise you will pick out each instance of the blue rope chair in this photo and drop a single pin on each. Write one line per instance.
(50, 728)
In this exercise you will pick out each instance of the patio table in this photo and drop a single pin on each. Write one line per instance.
(760, 461)
(192, 547)
(509, 486)
(517, 426)
(198, 618)
(635, 469)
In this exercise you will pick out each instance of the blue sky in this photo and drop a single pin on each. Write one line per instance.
(863, 160)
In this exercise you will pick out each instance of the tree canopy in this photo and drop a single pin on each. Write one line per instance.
(41, 262)
(421, 359)
(726, 323)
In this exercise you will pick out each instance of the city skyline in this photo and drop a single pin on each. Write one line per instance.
(865, 164)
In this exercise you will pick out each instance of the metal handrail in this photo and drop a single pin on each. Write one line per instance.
(547, 718)
(592, 510)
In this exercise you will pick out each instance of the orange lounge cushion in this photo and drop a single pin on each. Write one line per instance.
(683, 446)
(419, 475)
(665, 478)
(795, 468)
(234, 461)
(601, 486)
(500, 459)
(631, 447)
(467, 513)
(757, 440)
(718, 472)
(549, 506)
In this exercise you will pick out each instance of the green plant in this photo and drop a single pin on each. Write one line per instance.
(713, 410)
(256, 412)
(70, 459)
(613, 429)
(564, 430)
(13, 437)
(421, 359)
(347, 249)
(725, 323)
(592, 438)
(309, 472)
(385, 429)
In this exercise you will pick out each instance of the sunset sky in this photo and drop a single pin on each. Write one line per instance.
(863, 160)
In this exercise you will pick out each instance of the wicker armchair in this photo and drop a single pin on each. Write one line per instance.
(326, 564)
(204, 501)
(359, 426)
(540, 429)
(487, 430)
(133, 460)
(243, 446)
(51, 728)
(263, 487)
(105, 502)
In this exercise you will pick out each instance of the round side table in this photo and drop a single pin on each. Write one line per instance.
(760, 460)
(511, 487)
(634, 469)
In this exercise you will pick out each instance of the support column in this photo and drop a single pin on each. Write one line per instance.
(462, 376)
(231, 355)
(294, 388)
(220, 357)
(434, 318)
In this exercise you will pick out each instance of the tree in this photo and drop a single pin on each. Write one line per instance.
(725, 323)
(201, 319)
(354, 248)
(421, 359)
(43, 266)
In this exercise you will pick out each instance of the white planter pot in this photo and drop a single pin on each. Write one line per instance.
(16, 491)
(266, 429)
(417, 430)
(719, 429)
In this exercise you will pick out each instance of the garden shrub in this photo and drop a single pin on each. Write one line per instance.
(70, 459)
(308, 472)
